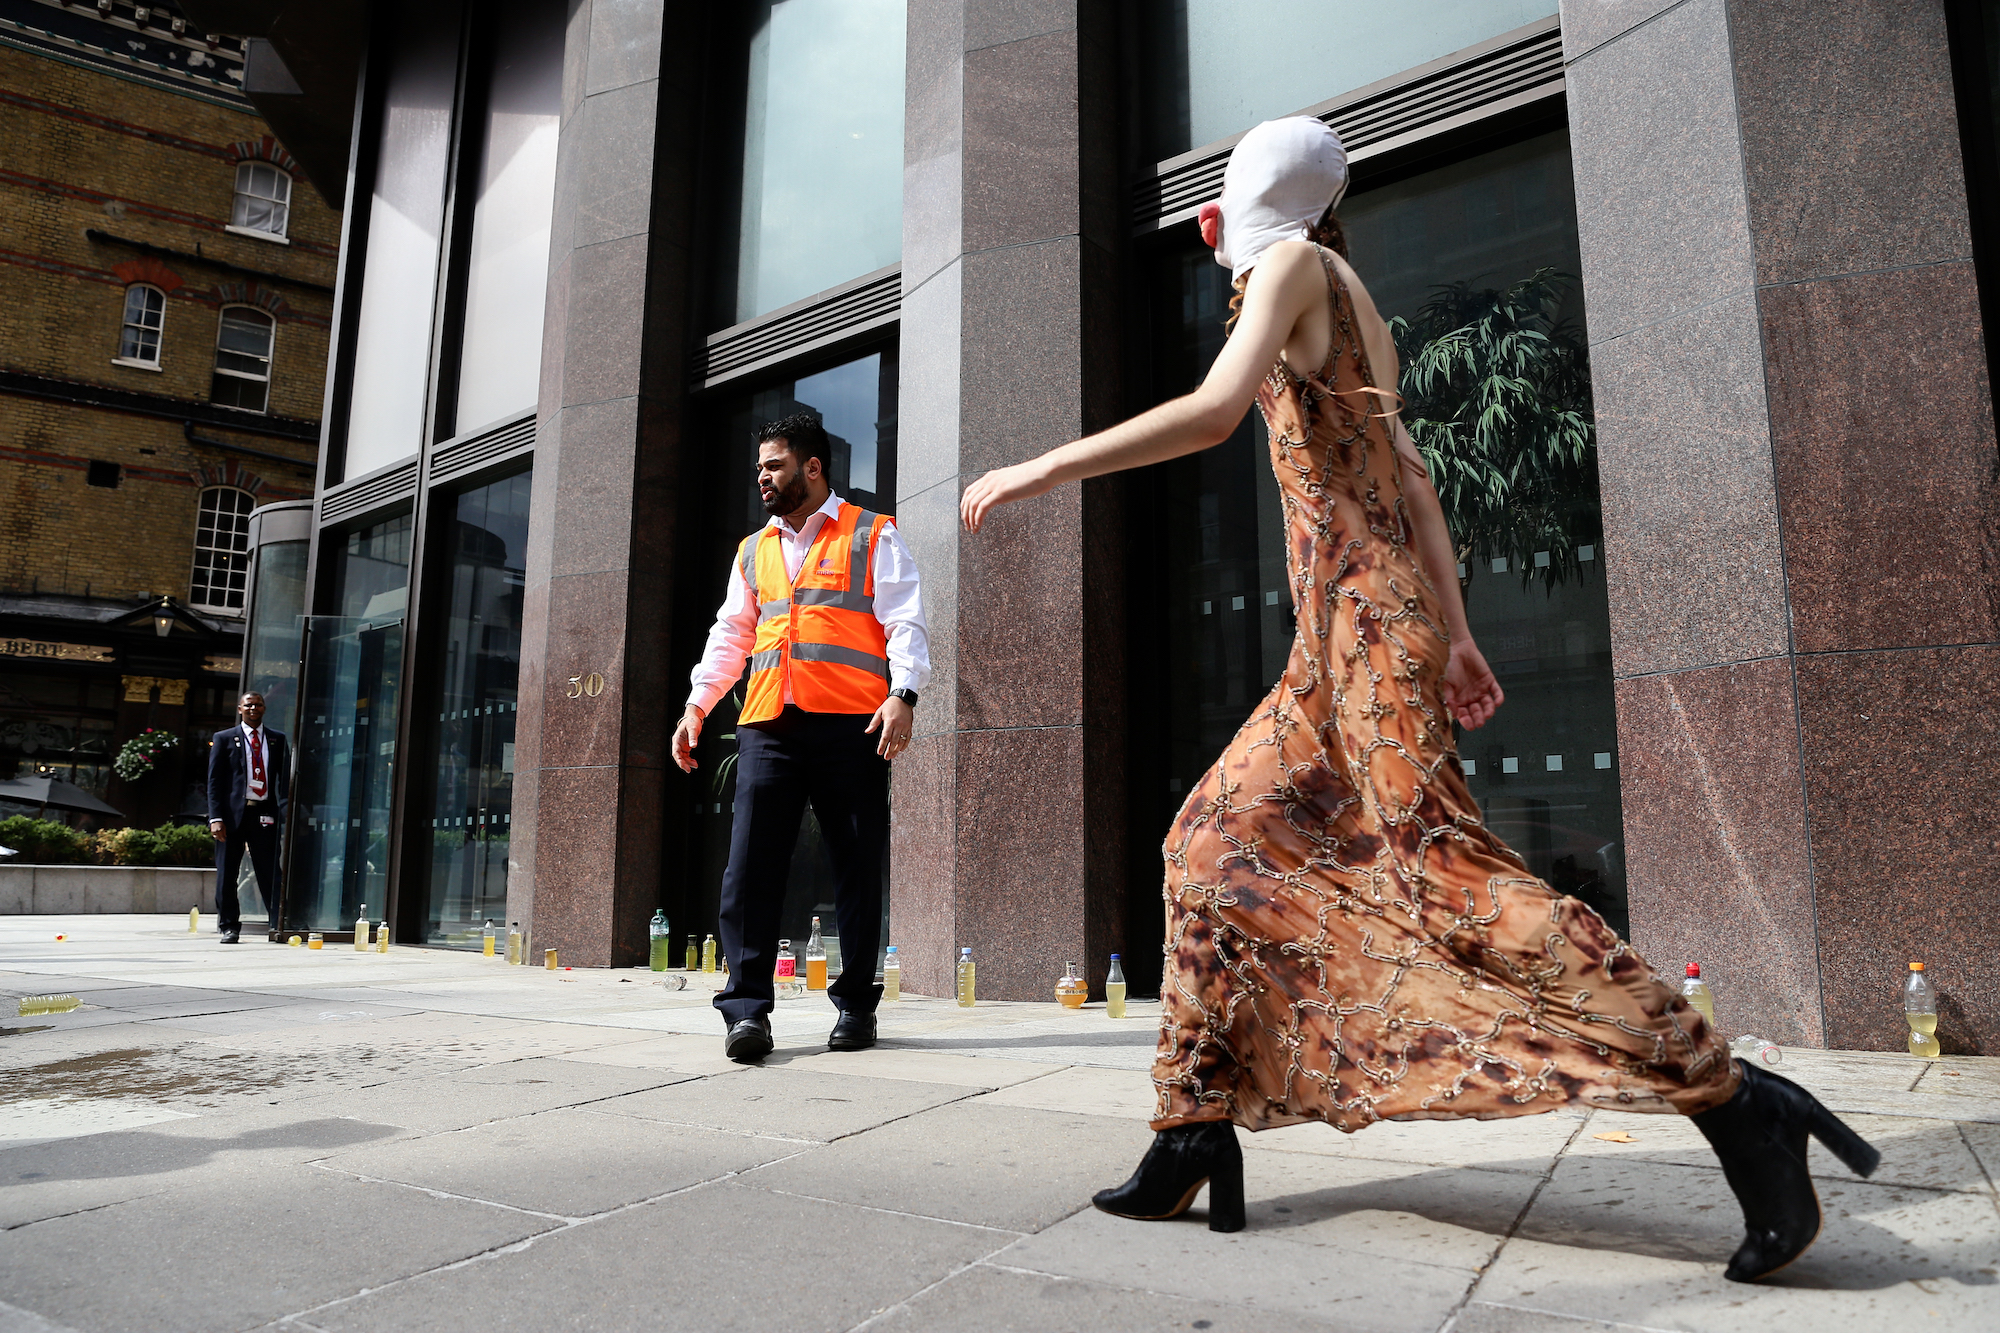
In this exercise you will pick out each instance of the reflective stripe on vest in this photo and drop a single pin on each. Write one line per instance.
(818, 637)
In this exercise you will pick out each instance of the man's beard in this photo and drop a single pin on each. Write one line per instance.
(787, 498)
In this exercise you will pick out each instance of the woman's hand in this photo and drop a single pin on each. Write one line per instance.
(1470, 691)
(1023, 481)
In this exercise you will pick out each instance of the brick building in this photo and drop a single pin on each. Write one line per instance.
(163, 339)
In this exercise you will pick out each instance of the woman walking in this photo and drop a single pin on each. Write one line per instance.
(1346, 940)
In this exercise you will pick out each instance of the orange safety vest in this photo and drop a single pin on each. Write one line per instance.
(821, 633)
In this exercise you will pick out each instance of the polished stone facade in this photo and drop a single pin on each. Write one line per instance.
(1801, 516)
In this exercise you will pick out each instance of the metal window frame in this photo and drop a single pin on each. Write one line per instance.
(202, 515)
(250, 165)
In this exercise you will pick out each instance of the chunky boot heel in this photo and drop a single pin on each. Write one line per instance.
(1225, 1194)
(1181, 1160)
(1760, 1137)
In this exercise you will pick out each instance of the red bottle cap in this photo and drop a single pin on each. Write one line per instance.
(1694, 969)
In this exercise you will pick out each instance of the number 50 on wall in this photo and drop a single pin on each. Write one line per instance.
(589, 686)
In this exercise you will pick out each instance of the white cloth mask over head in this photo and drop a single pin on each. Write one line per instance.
(1282, 176)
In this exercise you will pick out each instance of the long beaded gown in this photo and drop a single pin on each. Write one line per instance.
(1346, 939)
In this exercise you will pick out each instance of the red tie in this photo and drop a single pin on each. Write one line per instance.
(256, 760)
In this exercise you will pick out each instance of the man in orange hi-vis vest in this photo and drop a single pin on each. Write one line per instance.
(823, 601)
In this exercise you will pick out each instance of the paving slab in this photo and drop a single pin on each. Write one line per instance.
(1916, 1150)
(564, 1162)
(1124, 1094)
(963, 1071)
(1519, 1143)
(741, 1259)
(241, 1249)
(685, 1053)
(1254, 1268)
(788, 1103)
(1491, 1317)
(1644, 1243)
(56, 1177)
(1001, 1166)
(989, 1299)
(462, 1099)
(1456, 1216)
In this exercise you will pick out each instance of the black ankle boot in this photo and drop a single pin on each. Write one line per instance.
(1760, 1135)
(1175, 1167)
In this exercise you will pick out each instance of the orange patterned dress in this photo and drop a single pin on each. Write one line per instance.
(1346, 940)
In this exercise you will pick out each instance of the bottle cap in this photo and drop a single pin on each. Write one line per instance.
(1694, 969)
(892, 948)
(1114, 957)
(966, 950)
(1916, 967)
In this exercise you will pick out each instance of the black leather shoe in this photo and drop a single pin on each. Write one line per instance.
(231, 937)
(852, 1032)
(1174, 1169)
(748, 1041)
(1760, 1135)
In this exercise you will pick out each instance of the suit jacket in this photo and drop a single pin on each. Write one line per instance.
(229, 775)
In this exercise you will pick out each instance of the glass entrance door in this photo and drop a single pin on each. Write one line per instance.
(338, 868)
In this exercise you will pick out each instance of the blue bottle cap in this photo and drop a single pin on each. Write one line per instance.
(1115, 957)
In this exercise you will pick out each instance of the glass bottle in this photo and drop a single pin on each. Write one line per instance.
(382, 935)
(785, 978)
(965, 986)
(693, 955)
(361, 930)
(892, 975)
(815, 959)
(1114, 990)
(1696, 992)
(1071, 990)
(315, 940)
(514, 943)
(1920, 1012)
(486, 939)
(708, 954)
(194, 920)
(661, 955)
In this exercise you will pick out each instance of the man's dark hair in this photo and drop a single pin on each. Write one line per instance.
(804, 436)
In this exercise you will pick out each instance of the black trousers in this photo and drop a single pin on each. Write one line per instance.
(261, 841)
(825, 758)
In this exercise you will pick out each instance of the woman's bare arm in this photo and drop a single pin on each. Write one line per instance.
(1272, 303)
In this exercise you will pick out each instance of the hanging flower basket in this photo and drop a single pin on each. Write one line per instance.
(141, 755)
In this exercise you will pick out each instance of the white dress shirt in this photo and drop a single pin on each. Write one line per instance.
(253, 790)
(898, 605)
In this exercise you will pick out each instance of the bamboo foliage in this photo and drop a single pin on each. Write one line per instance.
(1497, 397)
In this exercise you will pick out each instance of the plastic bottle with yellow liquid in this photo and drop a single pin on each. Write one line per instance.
(892, 975)
(1920, 1012)
(660, 951)
(382, 935)
(708, 954)
(693, 955)
(514, 943)
(361, 930)
(1696, 992)
(1114, 990)
(486, 940)
(965, 985)
(194, 920)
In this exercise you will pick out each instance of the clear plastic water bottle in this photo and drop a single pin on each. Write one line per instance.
(892, 975)
(486, 940)
(1696, 992)
(1920, 1012)
(1755, 1050)
(965, 986)
(660, 956)
(1114, 990)
(815, 959)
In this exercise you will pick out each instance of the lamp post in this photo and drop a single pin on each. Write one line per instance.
(163, 618)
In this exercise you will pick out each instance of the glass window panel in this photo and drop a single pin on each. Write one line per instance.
(399, 273)
(500, 364)
(1213, 68)
(856, 400)
(263, 198)
(145, 315)
(221, 550)
(474, 713)
(1488, 240)
(822, 194)
(371, 574)
(271, 637)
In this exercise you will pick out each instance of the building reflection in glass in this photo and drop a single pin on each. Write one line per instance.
(471, 815)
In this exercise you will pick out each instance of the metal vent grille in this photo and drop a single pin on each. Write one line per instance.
(869, 302)
(464, 455)
(369, 493)
(1511, 70)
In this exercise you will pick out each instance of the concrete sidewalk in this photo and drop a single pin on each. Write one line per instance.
(268, 1137)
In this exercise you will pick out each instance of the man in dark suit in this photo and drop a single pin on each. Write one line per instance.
(249, 782)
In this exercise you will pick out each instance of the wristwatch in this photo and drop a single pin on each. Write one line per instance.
(907, 696)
